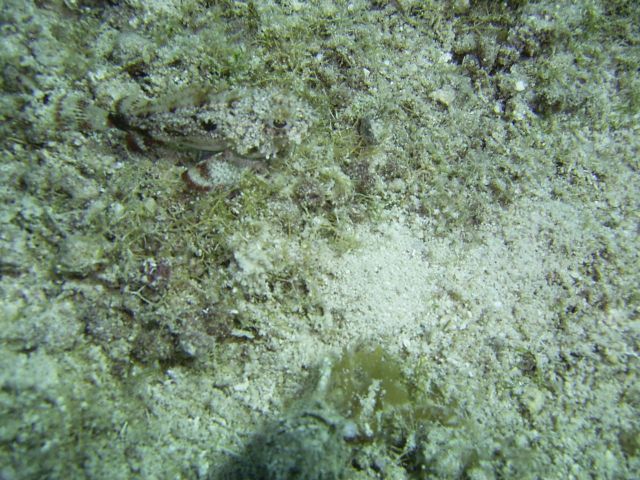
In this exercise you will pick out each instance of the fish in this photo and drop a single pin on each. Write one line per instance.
(233, 129)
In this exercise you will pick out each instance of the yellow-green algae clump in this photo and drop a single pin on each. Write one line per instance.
(367, 381)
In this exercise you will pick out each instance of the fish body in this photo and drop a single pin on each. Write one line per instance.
(252, 123)
(238, 126)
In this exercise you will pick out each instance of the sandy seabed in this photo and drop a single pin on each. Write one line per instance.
(436, 276)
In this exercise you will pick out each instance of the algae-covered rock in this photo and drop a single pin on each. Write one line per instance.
(80, 255)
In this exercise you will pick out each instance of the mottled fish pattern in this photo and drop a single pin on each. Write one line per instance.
(238, 127)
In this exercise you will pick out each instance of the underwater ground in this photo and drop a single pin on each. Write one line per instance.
(417, 255)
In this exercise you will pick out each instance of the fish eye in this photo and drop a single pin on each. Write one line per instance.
(279, 123)
(208, 126)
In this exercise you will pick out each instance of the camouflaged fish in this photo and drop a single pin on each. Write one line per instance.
(240, 128)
